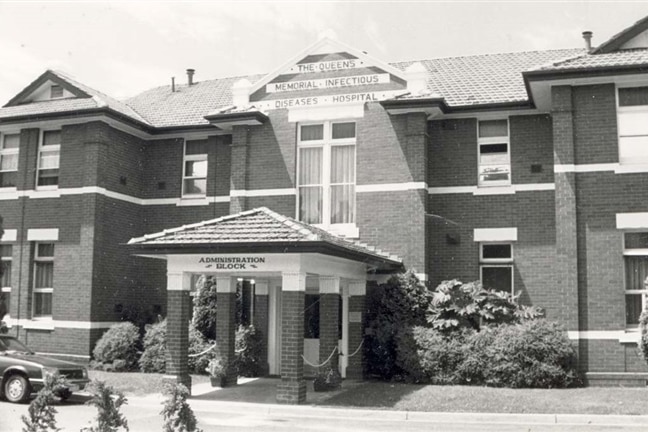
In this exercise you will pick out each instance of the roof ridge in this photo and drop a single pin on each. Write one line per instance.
(291, 223)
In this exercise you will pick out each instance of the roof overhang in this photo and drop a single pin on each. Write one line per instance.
(381, 264)
(538, 83)
(226, 121)
(431, 106)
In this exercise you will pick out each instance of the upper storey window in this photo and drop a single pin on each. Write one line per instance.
(327, 174)
(633, 125)
(194, 175)
(9, 144)
(494, 155)
(49, 151)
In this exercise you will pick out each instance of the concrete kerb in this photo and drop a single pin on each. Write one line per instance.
(390, 415)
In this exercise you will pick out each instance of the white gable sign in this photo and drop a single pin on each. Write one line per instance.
(326, 83)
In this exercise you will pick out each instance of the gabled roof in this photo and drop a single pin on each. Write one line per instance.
(261, 229)
(85, 99)
(619, 39)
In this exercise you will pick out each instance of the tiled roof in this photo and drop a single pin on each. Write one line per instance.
(630, 57)
(188, 105)
(484, 79)
(260, 226)
(50, 106)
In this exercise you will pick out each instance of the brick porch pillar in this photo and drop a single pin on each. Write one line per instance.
(292, 389)
(178, 316)
(357, 293)
(226, 325)
(329, 308)
(260, 321)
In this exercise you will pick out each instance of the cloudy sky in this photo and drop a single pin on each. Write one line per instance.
(122, 48)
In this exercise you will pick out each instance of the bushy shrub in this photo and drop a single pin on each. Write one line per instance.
(400, 302)
(427, 355)
(154, 356)
(643, 326)
(536, 354)
(118, 348)
(204, 312)
(457, 306)
(248, 353)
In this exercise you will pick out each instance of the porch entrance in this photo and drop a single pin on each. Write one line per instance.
(295, 267)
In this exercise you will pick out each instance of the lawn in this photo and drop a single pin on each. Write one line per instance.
(409, 397)
(137, 383)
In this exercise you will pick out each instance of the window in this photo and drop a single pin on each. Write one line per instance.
(326, 175)
(496, 266)
(633, 125)
(43, 280)
(494, 156)
(636, 271)
(9, 144)
(56, 91)
(48, 159)
(5, 281)
(194, 175)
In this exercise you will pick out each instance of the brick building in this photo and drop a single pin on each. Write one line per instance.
(526, 170)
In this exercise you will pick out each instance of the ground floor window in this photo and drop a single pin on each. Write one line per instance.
(636, 275)
(43, 280)
(496, 266)
(5, 281)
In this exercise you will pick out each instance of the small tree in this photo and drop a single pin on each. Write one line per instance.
(204, 313)
(178, 415)
(41, 416)
(108, 401)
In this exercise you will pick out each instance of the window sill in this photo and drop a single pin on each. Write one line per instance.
(631, 168)
(38, 324)
(43, 192)
(191, 202)
(494, 190)
(349, 231)
(630, 336)
(8, 193)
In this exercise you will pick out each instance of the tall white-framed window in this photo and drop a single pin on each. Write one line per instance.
(9, 148)
(194, 171)
(6, 251)
(326, 176)
(635, 257)
(494, 156)
(632, 119)
(49, 150)
(496, 266)
(43, 285)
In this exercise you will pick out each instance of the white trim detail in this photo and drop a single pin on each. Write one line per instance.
(180, 281)
(43, 234)
(495, 234)
(293, 282)
(329, 285)
(10, 235)
(226, 285)
(631, 220)
(357, 288)
(583, 168)
(630, 169)
(390, 187)
(621, 335)
(486, 190)
(261, 287)
(335, 112)
(423, 277)
(262, 192)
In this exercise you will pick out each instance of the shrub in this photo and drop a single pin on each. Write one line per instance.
(399, 303)
(154, 356)
(108, 401)
(178, 415)
(643, 343)
(248, 355)
(197, 345)
(535, 354)
(457, 306)
(204, 313)
(41, 416)
(120, 342)
(427, 355)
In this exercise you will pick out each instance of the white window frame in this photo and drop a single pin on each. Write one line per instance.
(9, 152)
(497, 262)
(43, 290)
(193, 158)
(48, 149)
(627, 252)
(7, 289)
(326, 144)
(621, 110)
(494, 140)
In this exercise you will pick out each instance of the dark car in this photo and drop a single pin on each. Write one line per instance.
(23, 372)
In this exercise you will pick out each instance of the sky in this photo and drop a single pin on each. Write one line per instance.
(123, 48)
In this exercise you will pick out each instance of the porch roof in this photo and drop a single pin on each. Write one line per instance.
(259, 230)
